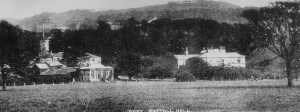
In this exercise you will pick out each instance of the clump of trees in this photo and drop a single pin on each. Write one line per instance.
(161, 37)
(198, 67)
(202, 71)
(184, 76)
(17, 47)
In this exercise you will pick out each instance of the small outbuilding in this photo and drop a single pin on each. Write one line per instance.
(91, 69)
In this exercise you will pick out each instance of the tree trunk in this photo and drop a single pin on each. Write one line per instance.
(3, 80)
(289, 75)
(130, 77)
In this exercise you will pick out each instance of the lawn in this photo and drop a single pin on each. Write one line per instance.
(208, 96)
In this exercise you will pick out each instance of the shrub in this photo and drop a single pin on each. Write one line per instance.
(221, 73)
(53, 79)
(197, 67)
(160, 72)
(129, 64)
(272, 75)
(184, 76)
(201, 70)
(158, 67)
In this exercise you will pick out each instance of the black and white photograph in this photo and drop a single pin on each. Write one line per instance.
(149, 56)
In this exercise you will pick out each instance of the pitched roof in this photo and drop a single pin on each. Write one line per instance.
(62, 71)
(95, 67)
(221, 55)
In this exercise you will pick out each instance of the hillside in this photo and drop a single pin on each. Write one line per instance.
(219, 11)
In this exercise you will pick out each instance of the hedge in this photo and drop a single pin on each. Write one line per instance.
(184, 76)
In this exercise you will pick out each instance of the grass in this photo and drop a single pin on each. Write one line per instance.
(211, 96)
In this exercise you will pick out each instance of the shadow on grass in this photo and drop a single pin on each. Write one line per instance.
(245, 87)
(106, 104)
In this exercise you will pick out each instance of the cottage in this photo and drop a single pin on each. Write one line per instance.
(91, 69)
(215, 57)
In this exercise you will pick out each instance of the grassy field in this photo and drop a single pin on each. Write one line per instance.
(207, 96)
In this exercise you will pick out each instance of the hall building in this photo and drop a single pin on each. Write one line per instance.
(215, 57)
(91, 69)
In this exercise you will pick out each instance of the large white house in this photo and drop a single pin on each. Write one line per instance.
(215, 57)
(91, 69)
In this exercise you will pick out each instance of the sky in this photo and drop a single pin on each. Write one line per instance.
(19, 9)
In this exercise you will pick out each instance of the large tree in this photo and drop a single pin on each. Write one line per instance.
(278, 29)
(17, 48)
(129, 64)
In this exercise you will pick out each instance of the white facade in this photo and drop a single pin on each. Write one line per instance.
(91, 69)
(215, 57)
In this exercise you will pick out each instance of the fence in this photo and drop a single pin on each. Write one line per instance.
(34, 84)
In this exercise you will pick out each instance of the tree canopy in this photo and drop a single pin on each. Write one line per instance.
(277, 28)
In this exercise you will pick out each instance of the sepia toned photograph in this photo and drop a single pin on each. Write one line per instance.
(149, 56)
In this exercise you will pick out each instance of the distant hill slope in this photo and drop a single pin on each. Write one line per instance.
(219, 11)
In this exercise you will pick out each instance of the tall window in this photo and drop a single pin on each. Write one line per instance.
(239, 60)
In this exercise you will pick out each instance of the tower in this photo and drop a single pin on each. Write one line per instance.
(44, 47)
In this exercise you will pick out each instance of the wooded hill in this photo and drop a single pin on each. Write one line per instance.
(215, 10)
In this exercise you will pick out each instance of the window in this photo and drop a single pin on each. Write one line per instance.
(222, 62)
(239, 60)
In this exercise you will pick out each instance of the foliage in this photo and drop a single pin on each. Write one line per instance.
(197, 67)
(184, 76)
(158, 66)
(128, 64)
(277, 28)
(162, 37)
(17, 48)
(221, 73)
(53, 79)
(161, 72)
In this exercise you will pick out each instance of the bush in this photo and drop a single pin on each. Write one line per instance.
(184, 76)
(201, 70)
(197, 67)
(158, 67)
(221, 73)
(129, 64)
(53, 79)
(160, 72)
